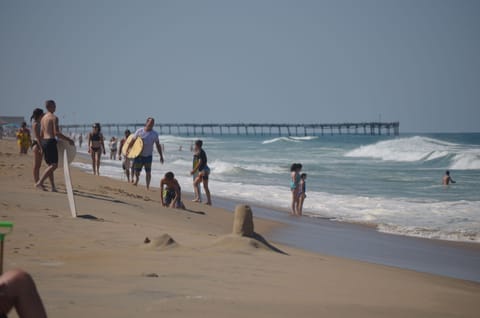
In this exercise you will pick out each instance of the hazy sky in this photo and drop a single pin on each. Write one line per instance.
(416, 61)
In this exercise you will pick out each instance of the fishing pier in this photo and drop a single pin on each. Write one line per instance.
(247, 129)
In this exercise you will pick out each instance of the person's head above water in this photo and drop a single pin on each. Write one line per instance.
(149, 124)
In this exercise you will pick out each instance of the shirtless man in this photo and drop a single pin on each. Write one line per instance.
(149, 137)
(49, 131)
(447, 179)
(171, 195)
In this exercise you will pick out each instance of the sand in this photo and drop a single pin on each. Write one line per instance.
(103, 265)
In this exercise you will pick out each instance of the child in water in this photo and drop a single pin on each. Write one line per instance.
(171, 196)
(302, 192)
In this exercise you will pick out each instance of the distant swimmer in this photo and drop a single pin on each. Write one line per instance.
(447, 179)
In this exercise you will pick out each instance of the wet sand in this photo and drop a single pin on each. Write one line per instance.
(98, 265)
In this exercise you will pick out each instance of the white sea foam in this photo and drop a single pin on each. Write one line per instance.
(289, 139)
(416, 149)
(469, 160)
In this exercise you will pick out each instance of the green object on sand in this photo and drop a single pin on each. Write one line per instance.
(5, 224)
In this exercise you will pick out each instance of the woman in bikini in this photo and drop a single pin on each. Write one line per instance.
(36, 148)
(96, 147)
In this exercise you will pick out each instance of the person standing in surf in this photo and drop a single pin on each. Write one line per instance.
(295, 187)
(200, 157)
(302, 193)
(36, 147)
(149, 138)
(49, 132)
(96, 146)
(447, 179)
(198, 190)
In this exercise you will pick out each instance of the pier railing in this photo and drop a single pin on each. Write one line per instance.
(191, 129)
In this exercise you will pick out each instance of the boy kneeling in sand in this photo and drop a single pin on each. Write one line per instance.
(171, 195)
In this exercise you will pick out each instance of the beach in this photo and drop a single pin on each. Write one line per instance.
(98, 265)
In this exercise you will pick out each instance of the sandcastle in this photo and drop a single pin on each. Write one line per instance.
(243, 221)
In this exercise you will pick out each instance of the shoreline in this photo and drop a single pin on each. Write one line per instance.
(98, 264)
(303, 233)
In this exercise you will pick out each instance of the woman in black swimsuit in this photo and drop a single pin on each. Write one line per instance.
(36, 148)
(95, 147)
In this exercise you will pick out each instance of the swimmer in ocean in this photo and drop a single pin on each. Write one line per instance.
(447, 179)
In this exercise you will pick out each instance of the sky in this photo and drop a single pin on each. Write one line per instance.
(255, 61)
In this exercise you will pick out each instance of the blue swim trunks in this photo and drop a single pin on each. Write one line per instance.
(140, 162)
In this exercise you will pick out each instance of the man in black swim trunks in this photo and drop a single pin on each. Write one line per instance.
(49, 132)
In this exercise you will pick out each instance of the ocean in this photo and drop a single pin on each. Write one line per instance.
(392, 183)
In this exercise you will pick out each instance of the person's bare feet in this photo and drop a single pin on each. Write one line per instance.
(40, 187)
(208, 203)
(54, 189)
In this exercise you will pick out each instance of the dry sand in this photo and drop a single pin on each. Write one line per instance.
(99, 265)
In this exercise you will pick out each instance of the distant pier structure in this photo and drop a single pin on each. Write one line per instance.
(245, 129)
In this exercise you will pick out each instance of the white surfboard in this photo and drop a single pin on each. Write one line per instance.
(68, 184)
(71, 151)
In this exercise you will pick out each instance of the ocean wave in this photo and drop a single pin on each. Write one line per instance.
(223, 167)
(289, 139)
(420, 149)
(437, 234)
(466, 161)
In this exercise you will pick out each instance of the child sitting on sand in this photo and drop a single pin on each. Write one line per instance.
(171, 196)
(302, 192)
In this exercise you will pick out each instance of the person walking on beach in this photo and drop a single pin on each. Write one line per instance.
(80, 140)
(49, 131)
(36, 146)
(113, 148)
(24, 138)
(127, 164)
(447, 179)
(302, 193)
(96, 146)
(149, 138)
(295, 186)
(200, 157)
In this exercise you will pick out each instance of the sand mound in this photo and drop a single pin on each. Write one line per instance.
(240, 244)
(161, 242)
